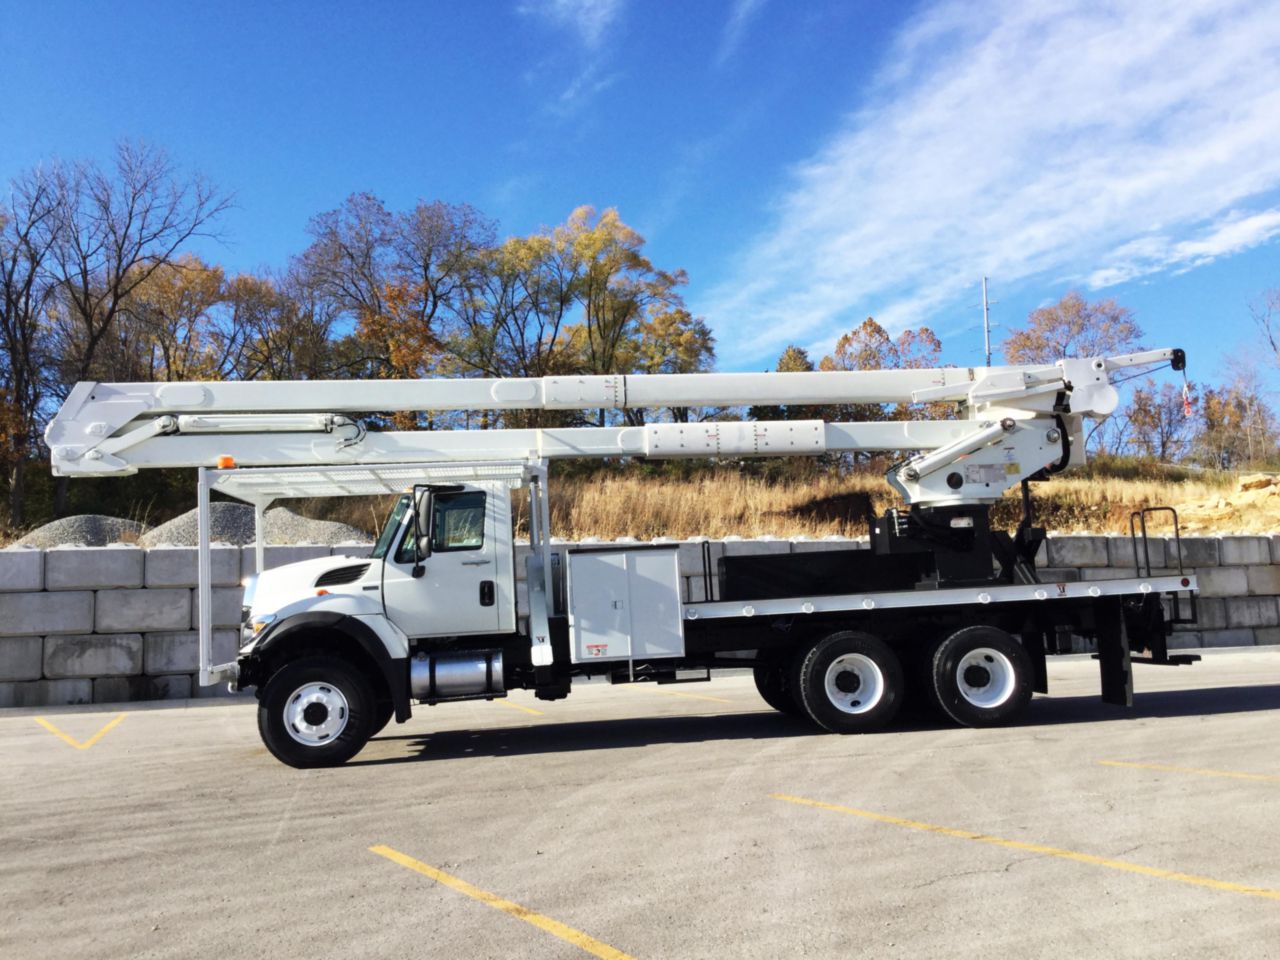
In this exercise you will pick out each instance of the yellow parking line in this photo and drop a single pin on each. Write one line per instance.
(67, 738)
(1038, 848)
(554, 927)
(1232, 774)
(677, 693)
(512, 705)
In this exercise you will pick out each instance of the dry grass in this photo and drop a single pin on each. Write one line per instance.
(724, 504)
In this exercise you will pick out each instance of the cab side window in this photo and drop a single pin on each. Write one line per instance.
(458, 523)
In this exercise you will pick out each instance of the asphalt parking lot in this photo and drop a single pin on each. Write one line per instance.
(686, 821)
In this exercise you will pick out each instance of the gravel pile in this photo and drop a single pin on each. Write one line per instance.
(90, 529)
(233, 523)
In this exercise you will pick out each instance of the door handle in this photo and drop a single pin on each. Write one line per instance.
(475, 563)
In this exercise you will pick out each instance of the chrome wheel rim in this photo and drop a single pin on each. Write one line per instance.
(854, 683)
(316, 714)
(985, 678)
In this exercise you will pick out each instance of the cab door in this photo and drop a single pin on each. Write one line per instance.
(454, 591)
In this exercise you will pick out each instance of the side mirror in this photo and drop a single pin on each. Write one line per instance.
(422, 498)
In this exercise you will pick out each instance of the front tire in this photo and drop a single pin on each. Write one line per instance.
(317, 711)
(849, 682)
(981, 677)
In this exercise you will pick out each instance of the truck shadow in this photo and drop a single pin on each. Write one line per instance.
(765, 724)
(591, 735)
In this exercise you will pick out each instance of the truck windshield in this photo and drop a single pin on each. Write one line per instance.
(389, 531)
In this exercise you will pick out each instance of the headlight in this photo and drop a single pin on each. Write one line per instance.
(250, 629)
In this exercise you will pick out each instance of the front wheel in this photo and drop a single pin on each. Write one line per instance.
(849, 682)
(981, 677)
(317, 711)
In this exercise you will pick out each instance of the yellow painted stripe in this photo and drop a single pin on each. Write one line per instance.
(67, 738)
(1232, 774)
(512, 705)
(554, 927)
(1041, 849)
(676, 693)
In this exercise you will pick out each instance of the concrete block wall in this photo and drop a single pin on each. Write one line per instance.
(104, 624)
(118, 623)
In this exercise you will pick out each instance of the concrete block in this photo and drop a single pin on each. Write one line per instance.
(1120, 552)
(27, 614)
(690, 554)
(521, 560)
(1105, 573)
(1083, 644)
(522, 598)
(120, 611)
(1196, 551)
(1058, 574)
(357, 551)
(21, 568)
(21, 658)
(1191, 640)
(279, 554)
(1240, 551)
(1211, 614)
(1228, 638)
(92, 568)
(166, 653)
(179, 566)
(1275, 548)
(696, 590)
(93, 655)
(219, 689)
(227, 604)
(819, 546)
(127, 689)
(1252, 612)
(45, 693)
(752, 548)
(1077, 551)
(1263, 580)
(1222, 581)
(1267, 636)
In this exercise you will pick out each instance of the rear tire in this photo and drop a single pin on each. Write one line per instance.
(981, 677)
(771, 682)
(317, 711)
(849, 682)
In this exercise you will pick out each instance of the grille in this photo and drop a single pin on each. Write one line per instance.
(331, 578)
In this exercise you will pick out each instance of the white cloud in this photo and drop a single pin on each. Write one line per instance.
(1092, 141)
(589, 19)
(743, 12)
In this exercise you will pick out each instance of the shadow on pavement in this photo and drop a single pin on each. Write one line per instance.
(592, 735)
(769, 725)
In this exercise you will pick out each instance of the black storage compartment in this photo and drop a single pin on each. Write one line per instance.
(822, 573)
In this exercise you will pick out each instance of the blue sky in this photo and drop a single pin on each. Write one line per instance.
(808, 164)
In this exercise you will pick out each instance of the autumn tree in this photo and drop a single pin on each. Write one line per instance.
(1157, 422)
(870, 347)
(793, 359)
(1072, 327)
(674, 341)
(28, 230)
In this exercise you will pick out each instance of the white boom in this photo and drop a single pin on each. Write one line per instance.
(1015, 421)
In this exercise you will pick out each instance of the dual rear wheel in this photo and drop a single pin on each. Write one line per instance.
(852, 682)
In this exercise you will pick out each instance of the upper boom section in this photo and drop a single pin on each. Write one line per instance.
(1011, 424)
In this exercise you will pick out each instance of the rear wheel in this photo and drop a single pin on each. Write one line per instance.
(849, 682)
(981, 677)
(317, 711)
(771, 682)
